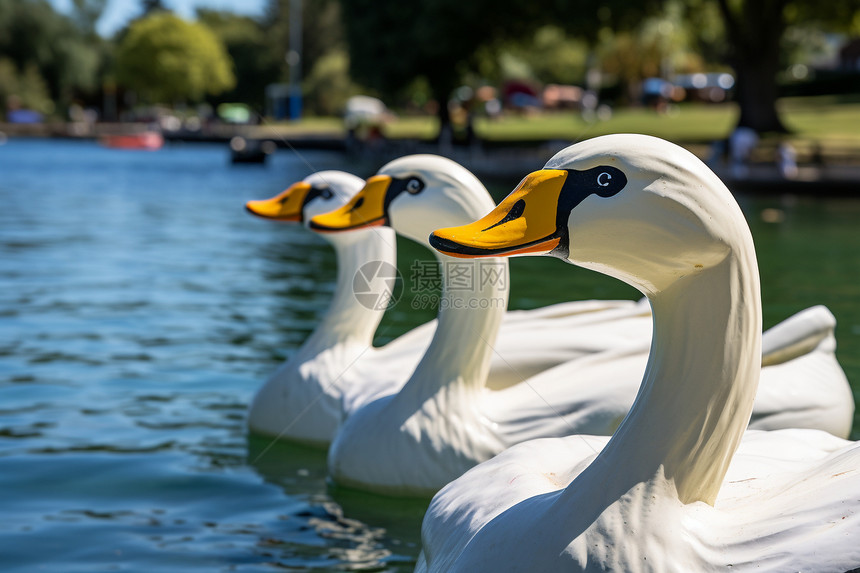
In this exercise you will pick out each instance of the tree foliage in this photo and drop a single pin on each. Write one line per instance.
(167, 59)
(322, 30)
(324, 61)
(25, 89)
(426, 45)
(555, 57)
(660, 46)
(38, 41)
(86, 13)
(328, 86)
(256, 65)
(390, 43)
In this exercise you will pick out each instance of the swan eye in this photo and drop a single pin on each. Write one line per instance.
(326, 193)
(604, 179)
(414, 185)
(607, 181)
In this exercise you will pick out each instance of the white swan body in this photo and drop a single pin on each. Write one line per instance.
(802, 384)
(533, 472)
(337, 369)
(680, 486)
(446, 418)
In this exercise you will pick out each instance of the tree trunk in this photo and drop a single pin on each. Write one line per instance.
(441, 93)
(756, 92)
(755, 33)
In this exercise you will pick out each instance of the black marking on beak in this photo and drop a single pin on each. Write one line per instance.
(515, 213)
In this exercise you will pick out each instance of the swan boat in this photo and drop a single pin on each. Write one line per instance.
(681, 485)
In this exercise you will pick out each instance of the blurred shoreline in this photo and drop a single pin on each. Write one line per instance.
(216, 133)
(825, 172)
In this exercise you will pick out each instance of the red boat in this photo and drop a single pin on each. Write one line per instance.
(150, 140)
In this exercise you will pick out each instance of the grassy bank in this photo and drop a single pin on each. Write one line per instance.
(816, 118)
(820, 118)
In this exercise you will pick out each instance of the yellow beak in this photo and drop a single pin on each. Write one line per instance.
(286, 206)
(524, 222)
(365, 209)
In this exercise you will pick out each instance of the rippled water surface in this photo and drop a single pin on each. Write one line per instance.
(140, 307)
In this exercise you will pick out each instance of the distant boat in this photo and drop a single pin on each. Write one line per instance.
(250, 150)
(150, 140)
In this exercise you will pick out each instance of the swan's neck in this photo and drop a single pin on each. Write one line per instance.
(698, 391)
(347, 319)
(473, 303)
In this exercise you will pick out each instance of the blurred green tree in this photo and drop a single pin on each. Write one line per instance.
(169, 60)
(391, 43)
(26, 89)
(555, 57)
(328, 86)
(254, 61)
(322, 31)
(624, 49)
(550, 55)
(38, 41)
(324, 59)
(661, 45)
(86, 13)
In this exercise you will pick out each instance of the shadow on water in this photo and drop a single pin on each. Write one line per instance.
(361, 531)
(401, 515)
(299, 468)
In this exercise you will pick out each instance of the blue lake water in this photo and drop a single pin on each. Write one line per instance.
(140, 308)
